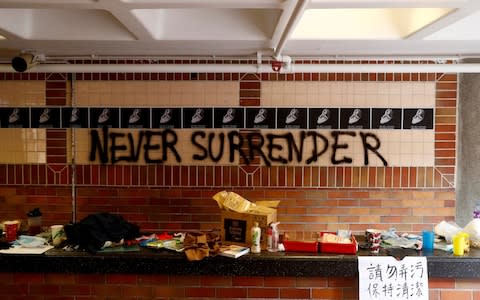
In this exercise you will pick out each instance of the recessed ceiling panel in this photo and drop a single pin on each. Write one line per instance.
(209, 24)
(464, 29)
(365, 23)
(63, 24)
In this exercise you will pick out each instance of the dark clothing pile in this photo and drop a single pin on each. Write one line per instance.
(92, 232)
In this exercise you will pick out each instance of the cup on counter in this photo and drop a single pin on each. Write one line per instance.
(373, 238)
(11, 230)
(34, 225)
(58, 235)
(461, 243)
(428, 238)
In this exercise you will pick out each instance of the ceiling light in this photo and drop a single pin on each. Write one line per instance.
(2, 37)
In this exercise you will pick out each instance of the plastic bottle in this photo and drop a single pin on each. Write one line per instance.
(273, 237)
(256, 234)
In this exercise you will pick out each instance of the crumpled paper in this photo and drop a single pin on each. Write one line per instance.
(232, 201)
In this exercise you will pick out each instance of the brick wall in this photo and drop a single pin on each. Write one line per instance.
(53, 286)
(162, 197)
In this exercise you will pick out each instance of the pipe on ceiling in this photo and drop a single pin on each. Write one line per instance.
(250, 68)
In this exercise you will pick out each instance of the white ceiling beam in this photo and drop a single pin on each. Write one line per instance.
(259, 4)
(441, 23)
(318, 4)
(288, 9)
(127, 19)
(294, 13)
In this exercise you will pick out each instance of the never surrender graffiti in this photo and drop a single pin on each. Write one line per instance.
(161, 146)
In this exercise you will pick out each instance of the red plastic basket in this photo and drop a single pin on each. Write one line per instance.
(338, 248)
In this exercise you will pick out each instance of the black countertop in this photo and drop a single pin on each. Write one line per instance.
(148, 261)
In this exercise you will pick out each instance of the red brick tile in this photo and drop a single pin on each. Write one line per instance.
(372, 176)
(31, 278)
(121, 279)
(279, 281)
(168, 291)
(44, 289)
(455, 295)
(263, 293)
(247, 281)
(91, 279)
(184, 280)
(295, 293)
(329, 293)
(199, 292)
(55, 278)
(216, 281)
(231, 293)
(75, 290)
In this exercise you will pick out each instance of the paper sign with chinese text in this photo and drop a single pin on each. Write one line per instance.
(385, 278)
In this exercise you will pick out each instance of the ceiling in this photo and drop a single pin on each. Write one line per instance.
(239, 28)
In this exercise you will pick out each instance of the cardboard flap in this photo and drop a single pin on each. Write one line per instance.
(266, 203)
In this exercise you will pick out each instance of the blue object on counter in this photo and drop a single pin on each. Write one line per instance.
(428, 239)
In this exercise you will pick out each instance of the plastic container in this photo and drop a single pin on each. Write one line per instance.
(256, 235)
(350, 248)
(428, 238)
(34, 221)
(273, 237)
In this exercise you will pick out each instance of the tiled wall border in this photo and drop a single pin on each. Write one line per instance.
(57, 172)
(226, 176)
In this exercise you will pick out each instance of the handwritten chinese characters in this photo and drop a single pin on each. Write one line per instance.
(386, 278)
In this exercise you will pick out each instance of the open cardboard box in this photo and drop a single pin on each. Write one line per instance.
(238, 216)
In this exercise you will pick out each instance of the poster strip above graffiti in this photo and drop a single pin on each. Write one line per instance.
(218, 117)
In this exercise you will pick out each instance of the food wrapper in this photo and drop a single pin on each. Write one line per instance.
(234, 202)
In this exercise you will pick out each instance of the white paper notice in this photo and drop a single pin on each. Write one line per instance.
(385, 278)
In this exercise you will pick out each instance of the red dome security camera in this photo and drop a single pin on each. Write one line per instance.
(276, 65)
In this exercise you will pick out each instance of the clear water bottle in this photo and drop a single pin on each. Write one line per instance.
(476, 211)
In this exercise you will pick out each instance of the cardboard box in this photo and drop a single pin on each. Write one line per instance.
(236, 226)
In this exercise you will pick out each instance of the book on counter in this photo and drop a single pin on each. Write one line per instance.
(233, 251)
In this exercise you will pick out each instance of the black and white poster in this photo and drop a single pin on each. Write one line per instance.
(166, 118)
(323, 118)
(418, 118)
(355, 118)
(292, 118)
(200, 117)
(104, 117)
(16, 117)
(233, 117)
(135, 117)
(386, 118)
(75, 117)
(261, 118)
(45, 117)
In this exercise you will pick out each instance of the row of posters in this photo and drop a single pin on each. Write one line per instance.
(218, 117)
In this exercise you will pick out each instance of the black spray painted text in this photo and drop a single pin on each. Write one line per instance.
(160, 146)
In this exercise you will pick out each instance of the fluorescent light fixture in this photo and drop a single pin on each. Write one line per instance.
(365, 23)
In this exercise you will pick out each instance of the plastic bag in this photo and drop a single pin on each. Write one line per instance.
(447, 230)
(473, 229)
